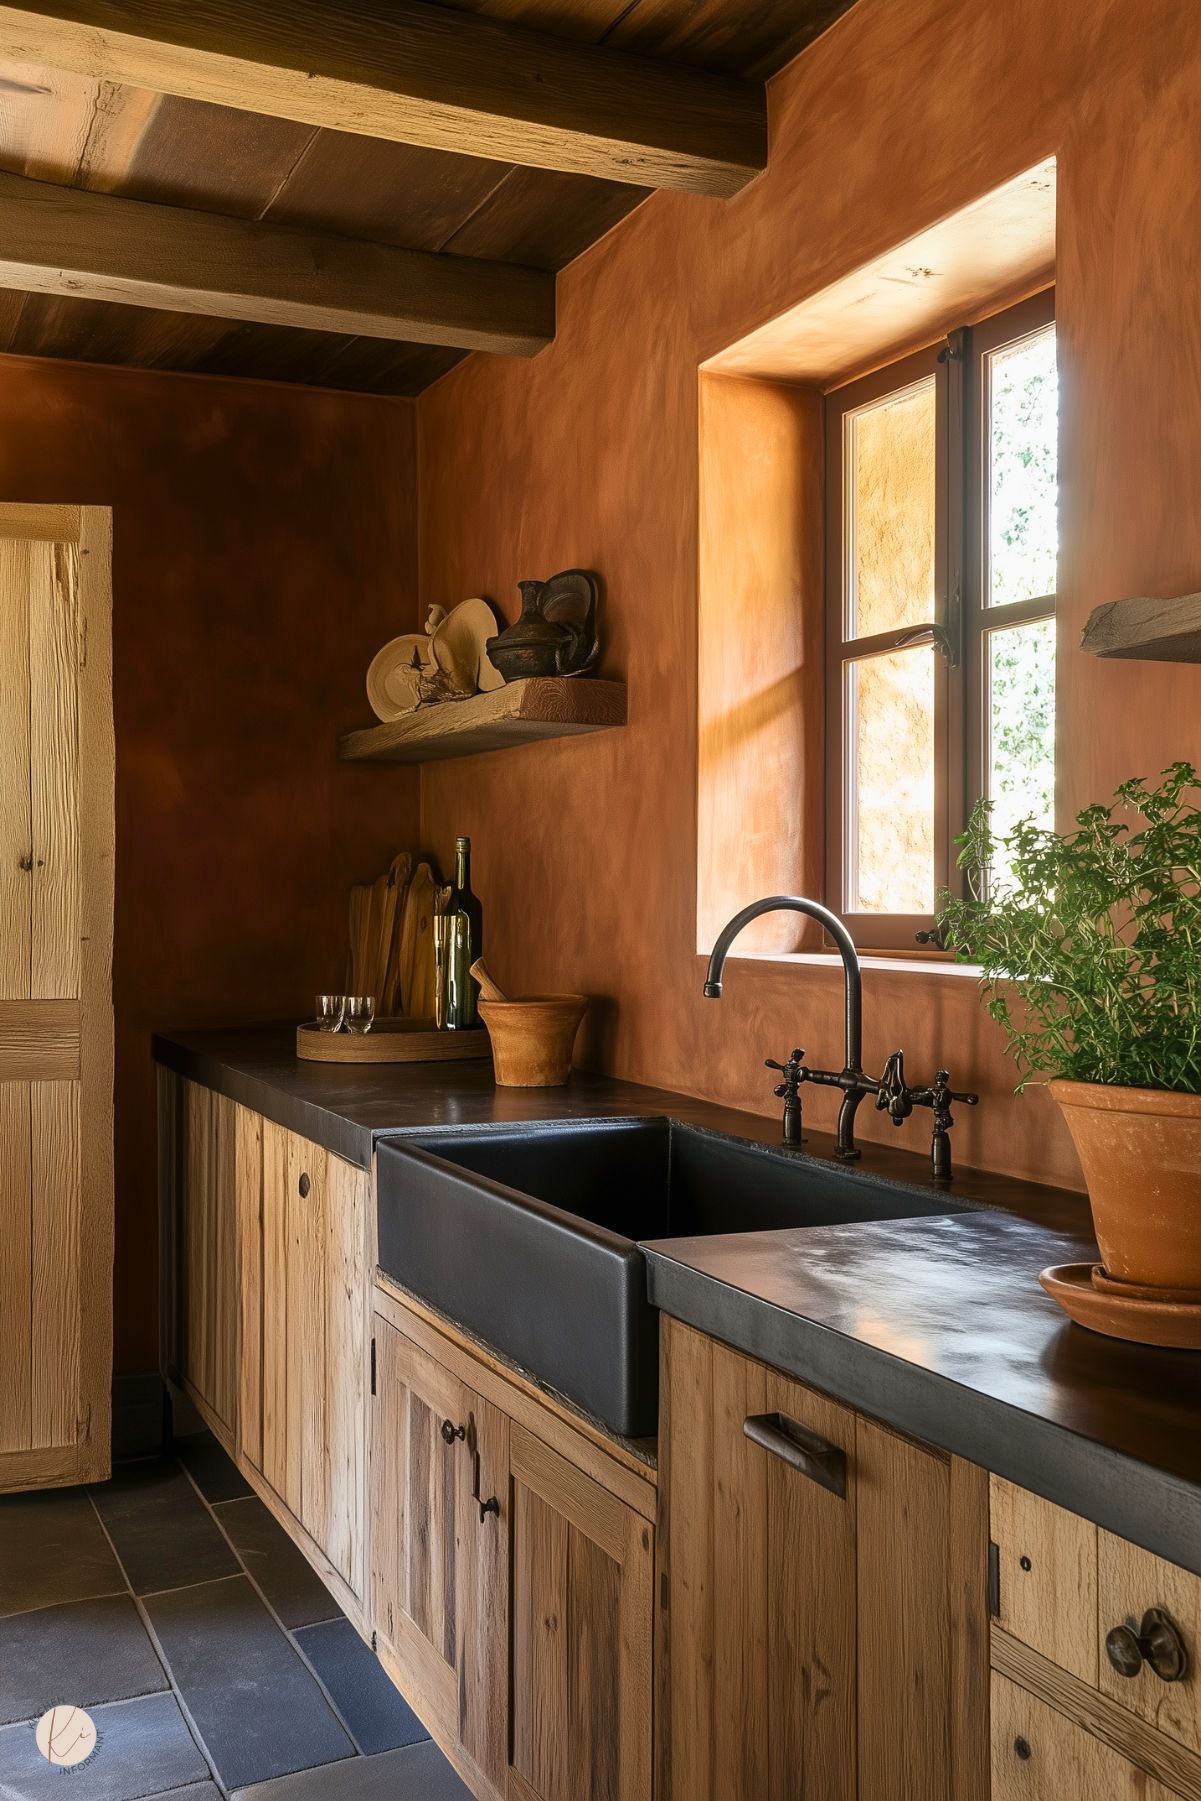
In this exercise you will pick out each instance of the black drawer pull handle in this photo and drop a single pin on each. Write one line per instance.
(800, 1449)
(303, 1187)
(1156, 1642)
(490, 1506)
(450, 1432)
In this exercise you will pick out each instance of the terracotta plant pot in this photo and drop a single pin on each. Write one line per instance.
(1140, 1149)
(532, 1039)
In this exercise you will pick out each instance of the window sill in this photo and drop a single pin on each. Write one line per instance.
(893, 962)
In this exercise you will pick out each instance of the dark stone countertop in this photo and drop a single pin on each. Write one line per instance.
(937, 1326)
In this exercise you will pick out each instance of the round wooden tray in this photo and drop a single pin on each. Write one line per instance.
(393, 1041)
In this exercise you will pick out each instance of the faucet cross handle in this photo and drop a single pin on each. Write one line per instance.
(892, 1095)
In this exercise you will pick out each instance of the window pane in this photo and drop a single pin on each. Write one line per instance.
(890, 479)
(1023, 530)
(889, 829)
(1021, 726)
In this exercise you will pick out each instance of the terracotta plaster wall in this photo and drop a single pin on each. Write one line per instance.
(264, 546)
(904, 112)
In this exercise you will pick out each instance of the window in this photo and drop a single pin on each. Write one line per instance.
(940, 550)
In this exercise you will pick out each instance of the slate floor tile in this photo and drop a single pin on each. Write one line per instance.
(163, 1532)
(255, 1705)
(144, 1748)
(418, 1773)
(288, 1580)
(81, 1651)
(379, 1720)
(215, 1474)
(52, 1549)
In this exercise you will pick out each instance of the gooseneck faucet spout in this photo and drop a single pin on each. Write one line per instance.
(851, 1079)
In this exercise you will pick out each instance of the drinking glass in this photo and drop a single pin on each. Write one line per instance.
(359, 1012)
(330, 1009)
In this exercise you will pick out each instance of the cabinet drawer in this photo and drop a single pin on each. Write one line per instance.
(1065, 1588)
(1038, 1755)
(1047, 1578)
(1130, 1583)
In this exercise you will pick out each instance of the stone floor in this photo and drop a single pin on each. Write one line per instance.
(209, 1657)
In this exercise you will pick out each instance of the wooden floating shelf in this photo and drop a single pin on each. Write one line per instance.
(522, 712)
(1155, 631)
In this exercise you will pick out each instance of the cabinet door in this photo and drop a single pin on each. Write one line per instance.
(1130, 1583)
(1038, 1755)
(209, 1324)
(439, 1585)
(313, 1343)
(826, 1630)
(581, 1627)
(762, 1582)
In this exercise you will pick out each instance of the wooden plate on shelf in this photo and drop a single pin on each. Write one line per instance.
(393, 1041)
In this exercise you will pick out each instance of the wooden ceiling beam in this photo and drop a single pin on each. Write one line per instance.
(57, 240)
(419, 74)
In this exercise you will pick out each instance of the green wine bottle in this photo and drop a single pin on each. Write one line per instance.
(465, 932)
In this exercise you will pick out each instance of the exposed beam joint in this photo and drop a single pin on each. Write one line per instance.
(56, 240)
(418, 74)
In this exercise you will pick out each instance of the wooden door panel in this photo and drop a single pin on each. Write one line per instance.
(275, 1307)
(416, 1485)
(54, 773)
(1047, 1570)
(16, 1264)
(1130, 1581)
(307, 1196)
(248, 1185)
(56, 1311)
(762, 1563)
(15, 830)
(581, 1631)
(1038, 1755)
(483, 1576)
(208, 1204)
(344, 1265)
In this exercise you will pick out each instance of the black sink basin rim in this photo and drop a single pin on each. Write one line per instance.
(528, 1236)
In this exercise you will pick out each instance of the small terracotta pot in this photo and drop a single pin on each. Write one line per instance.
(1140, 1150)
(532, 1039)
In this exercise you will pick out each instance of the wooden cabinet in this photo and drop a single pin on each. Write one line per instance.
(202, 1128)
(309, 1265)
(268, 1288)
(1071, 1607)
(826, 1630)
(512, 1584)
(1039, 1755)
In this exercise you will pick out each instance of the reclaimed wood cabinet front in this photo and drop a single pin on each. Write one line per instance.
(511, 1590)
(312, 1334)
(826, 1633)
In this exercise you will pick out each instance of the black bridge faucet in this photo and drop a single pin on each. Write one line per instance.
(890, 1091)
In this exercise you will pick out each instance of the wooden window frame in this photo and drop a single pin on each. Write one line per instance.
(962, 619)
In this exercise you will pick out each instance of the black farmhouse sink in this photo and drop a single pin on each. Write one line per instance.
(528, 1236)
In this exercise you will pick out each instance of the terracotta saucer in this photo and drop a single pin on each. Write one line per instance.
(1173, 1324)
(1141, 1291)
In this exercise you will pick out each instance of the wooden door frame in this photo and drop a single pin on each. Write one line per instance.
(90, 529)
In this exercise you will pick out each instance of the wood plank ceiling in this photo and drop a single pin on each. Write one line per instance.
(79, 131)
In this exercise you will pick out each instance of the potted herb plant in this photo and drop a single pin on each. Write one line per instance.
(1089, 943)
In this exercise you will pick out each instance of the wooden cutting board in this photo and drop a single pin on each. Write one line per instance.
(393, 1041)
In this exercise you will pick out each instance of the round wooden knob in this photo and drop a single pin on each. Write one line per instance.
(1157, 1643)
